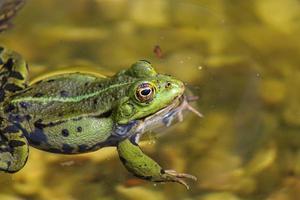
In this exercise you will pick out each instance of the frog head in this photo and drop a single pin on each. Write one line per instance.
(148, 94)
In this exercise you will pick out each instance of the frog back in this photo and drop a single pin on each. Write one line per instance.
(68, 96)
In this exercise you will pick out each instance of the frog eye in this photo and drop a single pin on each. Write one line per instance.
(145, 92)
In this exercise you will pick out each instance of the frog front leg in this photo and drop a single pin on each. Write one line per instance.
(146, 168)
(14, 148)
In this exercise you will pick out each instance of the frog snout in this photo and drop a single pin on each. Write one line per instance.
(176, 86)
(181, 87)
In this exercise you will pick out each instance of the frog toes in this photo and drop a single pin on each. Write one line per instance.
(172, 175)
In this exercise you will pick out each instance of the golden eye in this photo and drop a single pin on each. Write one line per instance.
(145, 92)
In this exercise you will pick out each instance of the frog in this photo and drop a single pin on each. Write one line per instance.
(79, 112)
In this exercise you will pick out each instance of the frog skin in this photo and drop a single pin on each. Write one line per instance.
(76, 113)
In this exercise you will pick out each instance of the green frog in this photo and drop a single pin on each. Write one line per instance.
(75, 113)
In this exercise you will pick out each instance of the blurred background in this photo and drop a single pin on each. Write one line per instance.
(241, 58)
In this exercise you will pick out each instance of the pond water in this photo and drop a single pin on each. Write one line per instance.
(241, 58)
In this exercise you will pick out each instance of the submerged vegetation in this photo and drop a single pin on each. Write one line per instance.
(240, 58)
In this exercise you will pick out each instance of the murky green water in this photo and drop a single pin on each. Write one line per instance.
(240, 57)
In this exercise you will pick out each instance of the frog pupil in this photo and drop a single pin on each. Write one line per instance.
(146, 92)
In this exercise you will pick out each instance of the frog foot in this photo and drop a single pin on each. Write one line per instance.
(173, 176)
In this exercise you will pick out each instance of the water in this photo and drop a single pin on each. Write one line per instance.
(241, 58)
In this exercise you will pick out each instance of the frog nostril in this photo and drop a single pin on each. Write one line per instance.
(168, 84)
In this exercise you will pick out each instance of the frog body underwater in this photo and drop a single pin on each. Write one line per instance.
(76, 113)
